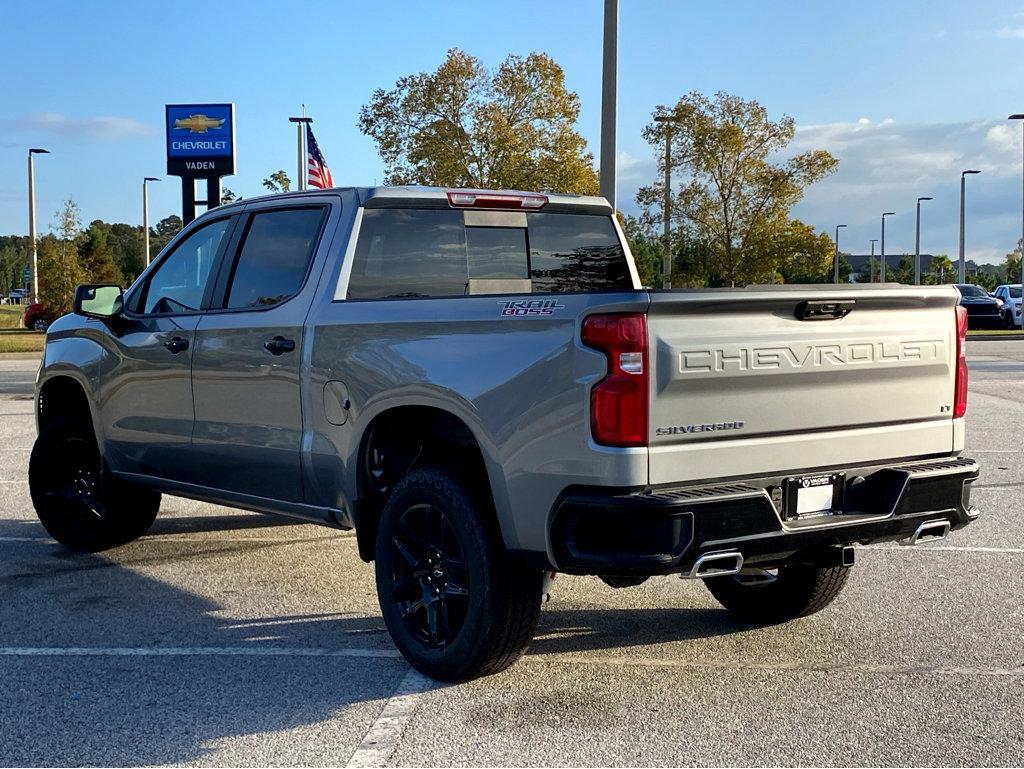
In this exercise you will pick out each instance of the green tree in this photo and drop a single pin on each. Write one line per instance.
(463, 126)
(1011, 264)
(95, 258)
(11, 264)
(278, 182)
(943, 270)
(127, 247)
(228, 196)
(646, 249)
(903, 272)
(737, 196)
(59, 269)
(801, 254)
(165, 229)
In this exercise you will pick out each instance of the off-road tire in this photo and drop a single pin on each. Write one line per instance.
(79, 504)
(501, 607)
(797, 592)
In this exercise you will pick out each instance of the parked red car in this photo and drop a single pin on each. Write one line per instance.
(36, 318)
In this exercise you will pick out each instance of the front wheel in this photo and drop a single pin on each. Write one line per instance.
(78, 504)
(769, 597)
(455, 604)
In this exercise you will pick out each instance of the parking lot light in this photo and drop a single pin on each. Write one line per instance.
(962, 275)
(835, 271)
(917, 244)
(1020, 116)
(881, 275)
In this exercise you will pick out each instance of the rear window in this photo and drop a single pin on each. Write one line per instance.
(431, 253)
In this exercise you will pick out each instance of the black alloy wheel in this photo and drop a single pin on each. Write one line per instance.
(429, 578)
(78, 504)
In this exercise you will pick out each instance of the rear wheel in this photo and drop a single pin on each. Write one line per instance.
(78, 504)
(456, 606)
(40, 324)
(771, 597)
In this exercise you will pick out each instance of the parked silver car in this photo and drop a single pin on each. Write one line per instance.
(1010, 295)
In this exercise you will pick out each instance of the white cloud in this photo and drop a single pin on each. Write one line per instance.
(99, 127)
(1010, 33)
(885, 165)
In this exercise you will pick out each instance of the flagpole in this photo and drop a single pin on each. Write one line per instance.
(300, 124)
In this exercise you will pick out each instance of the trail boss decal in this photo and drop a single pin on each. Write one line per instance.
(524, 308)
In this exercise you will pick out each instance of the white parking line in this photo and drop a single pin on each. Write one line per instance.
(798, 666)
(944, 548)
(207, 540)
(384, 733)
(193, 651)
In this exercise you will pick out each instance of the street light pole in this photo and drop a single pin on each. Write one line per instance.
(917, 244)
(666, 253)
(609, 95)
(962, 274)
(1020, 116)
(835, 270)
(881, 276)
(145, 212)
(34, 295)
(871, 262)
(300, 125)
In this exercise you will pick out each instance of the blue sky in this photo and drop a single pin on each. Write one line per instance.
(906, 94)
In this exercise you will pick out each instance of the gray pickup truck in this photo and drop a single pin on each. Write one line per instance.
(478, 384)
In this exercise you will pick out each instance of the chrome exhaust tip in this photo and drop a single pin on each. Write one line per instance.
(723, 563)
(929, 531)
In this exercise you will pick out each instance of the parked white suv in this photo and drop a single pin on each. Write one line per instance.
(1010, 294)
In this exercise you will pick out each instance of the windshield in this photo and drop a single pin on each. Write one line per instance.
(972, 291)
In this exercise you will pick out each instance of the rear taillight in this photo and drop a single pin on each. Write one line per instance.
(960, 388)
(618, 403)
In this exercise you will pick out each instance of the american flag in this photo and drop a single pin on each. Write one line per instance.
(318, 174)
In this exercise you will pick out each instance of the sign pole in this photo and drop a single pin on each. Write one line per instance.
(300, 125)
(188, 199)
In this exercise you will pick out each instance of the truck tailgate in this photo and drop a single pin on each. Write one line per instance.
(744, 382)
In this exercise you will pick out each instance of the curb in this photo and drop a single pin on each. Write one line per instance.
(995, 337)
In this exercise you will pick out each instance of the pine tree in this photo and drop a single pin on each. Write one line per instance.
(96, 259)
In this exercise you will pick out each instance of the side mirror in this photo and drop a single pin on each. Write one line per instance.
(99, 301)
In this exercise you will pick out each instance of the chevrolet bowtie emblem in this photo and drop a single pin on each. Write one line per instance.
(199, 124)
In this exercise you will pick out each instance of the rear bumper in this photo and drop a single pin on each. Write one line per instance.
(666, 531)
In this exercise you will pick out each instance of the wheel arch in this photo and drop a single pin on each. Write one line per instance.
(418, 433)
(62, 395)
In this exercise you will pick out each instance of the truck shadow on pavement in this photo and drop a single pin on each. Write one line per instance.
(150, 672)
(105, 662)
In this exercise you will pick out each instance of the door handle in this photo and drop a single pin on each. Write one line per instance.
(279, 345)
(176, 344)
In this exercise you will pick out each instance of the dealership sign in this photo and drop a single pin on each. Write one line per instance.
(200, 140)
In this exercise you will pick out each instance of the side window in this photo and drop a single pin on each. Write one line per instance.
(274, 257)
(178, 283)
(409, 253)
(576, 252)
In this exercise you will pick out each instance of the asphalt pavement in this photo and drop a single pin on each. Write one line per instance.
(231, 639)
